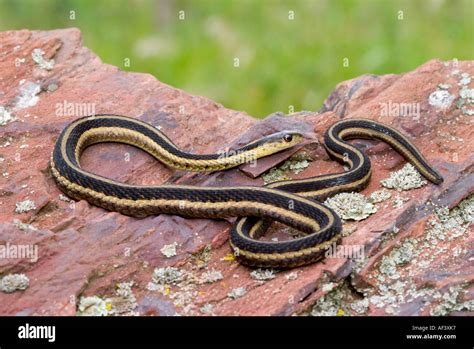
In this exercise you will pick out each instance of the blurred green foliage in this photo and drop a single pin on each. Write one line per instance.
(290, 53)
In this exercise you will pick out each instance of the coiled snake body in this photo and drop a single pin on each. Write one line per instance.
(290, 202)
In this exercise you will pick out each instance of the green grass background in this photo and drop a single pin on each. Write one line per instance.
(283, 62)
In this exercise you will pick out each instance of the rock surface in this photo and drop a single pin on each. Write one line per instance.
(417, 258)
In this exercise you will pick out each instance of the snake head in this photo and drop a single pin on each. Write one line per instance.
(283, 139)
(275, 143)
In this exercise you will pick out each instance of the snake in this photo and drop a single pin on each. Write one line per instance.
(295, 203)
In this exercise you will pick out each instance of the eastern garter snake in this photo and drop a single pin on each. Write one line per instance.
(257, 207)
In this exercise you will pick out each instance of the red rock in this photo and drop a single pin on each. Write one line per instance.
(84, 250)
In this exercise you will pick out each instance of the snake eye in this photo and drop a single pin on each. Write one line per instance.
(288, 138)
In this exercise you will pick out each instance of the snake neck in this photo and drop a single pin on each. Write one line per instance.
(99, 129)
(174, 157)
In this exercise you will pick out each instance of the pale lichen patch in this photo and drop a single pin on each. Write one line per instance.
(37, 56)
(379, 196)
(25, 206)
(274, 175)
(28, 96)
(449, 302)
(184, 298)
(444, 86)
(328, 287)
(465, 79)
(466, 99)
(296, 164)
(180, 286)
(237, 292)
(23, 226)
(165, 276)
(169, 250)
(124, 302)
(52, 87)
(397, 257)
(333, 303)
(14, 282)
(466, 95)
(419, 253)
(207, 309)
(399, 201)
(405, 179)
(5, 116)
(450, 225)
(354, 206)
(63, 197)
(263, 274)
(360, 306)
(441, 99)
(92, 306)
(210, 276)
